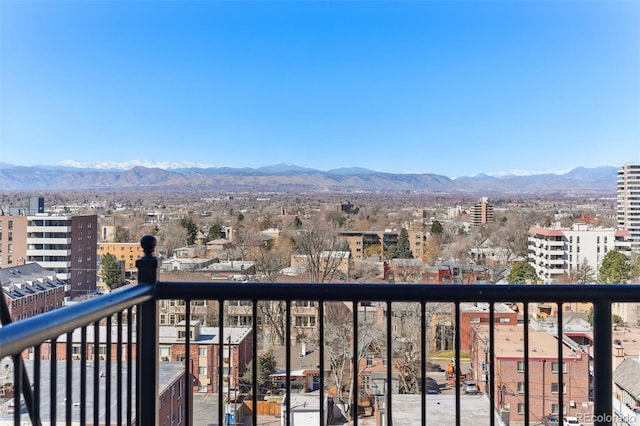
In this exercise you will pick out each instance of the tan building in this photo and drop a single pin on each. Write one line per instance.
(364, 244)
(13, 241)
(127, 253)
(481, 212)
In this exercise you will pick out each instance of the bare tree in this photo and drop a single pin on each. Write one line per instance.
(340, 352)
(270, 260)
(323, 251)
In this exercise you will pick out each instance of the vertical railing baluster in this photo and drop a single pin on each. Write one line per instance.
(320, 322)
(560, 363)
(389, 387)
(457, 368)
(525, 314)
(147, 371)
(53, 375)
(254, 363)
(355, 362)
(130, 406)
(287, 352)
(17, 389)
(602, 363)
(188, 385)
(221, 413)
(69, 382)
(109, 373)
(83, 375)
(492, 367)
(37, 353)
(423, 363)
(119, 348)
(96, 373)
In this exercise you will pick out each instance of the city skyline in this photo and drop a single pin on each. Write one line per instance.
(450, 88)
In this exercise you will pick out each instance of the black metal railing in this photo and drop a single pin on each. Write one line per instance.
(133, 396)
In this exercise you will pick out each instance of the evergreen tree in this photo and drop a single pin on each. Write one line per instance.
(214, 232)
(401, 249)
(192, 230)
(521, 272)
(266, 366)
(436, 228)
(615, 268)
(111, 271)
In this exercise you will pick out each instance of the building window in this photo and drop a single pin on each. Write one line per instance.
(474, 320)
(520, 387)
(521, 366)
(369, 360)
(554, 367)
(520, 408)
(202, 371)
(202, 351)
(555, 387)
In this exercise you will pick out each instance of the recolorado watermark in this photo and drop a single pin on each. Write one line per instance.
(606, 419)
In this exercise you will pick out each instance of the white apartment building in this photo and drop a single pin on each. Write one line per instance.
(556, 251)
(66, 245)
(628, 210)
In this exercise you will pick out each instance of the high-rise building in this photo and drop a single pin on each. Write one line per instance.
(628, 211)
(66, 245)
(481, 212)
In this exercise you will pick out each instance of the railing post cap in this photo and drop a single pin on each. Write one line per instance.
(148, 243)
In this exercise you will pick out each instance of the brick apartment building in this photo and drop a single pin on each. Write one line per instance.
(30, 290)
(544, 367)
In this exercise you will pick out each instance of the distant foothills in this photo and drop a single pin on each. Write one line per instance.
(291, 178)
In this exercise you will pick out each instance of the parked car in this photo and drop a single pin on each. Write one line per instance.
(570, 421)
(471, 388)
(551, 421)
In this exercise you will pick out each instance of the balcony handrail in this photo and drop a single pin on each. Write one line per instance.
(20, 335)
(565, 293)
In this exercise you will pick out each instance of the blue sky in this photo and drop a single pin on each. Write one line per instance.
(453, 87)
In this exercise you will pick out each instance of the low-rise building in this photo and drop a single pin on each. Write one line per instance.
(544, 366)
(30, 290)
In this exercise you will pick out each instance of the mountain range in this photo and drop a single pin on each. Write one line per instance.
(291, 178)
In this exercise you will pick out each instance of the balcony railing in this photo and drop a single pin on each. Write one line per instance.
(122, 385)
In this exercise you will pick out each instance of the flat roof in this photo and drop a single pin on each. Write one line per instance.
(168, 374)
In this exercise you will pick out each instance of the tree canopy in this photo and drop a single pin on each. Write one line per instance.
(436, 228)
(111, 271)
(615, 268)
(192, 230)
(522, 273)
(266, 366)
